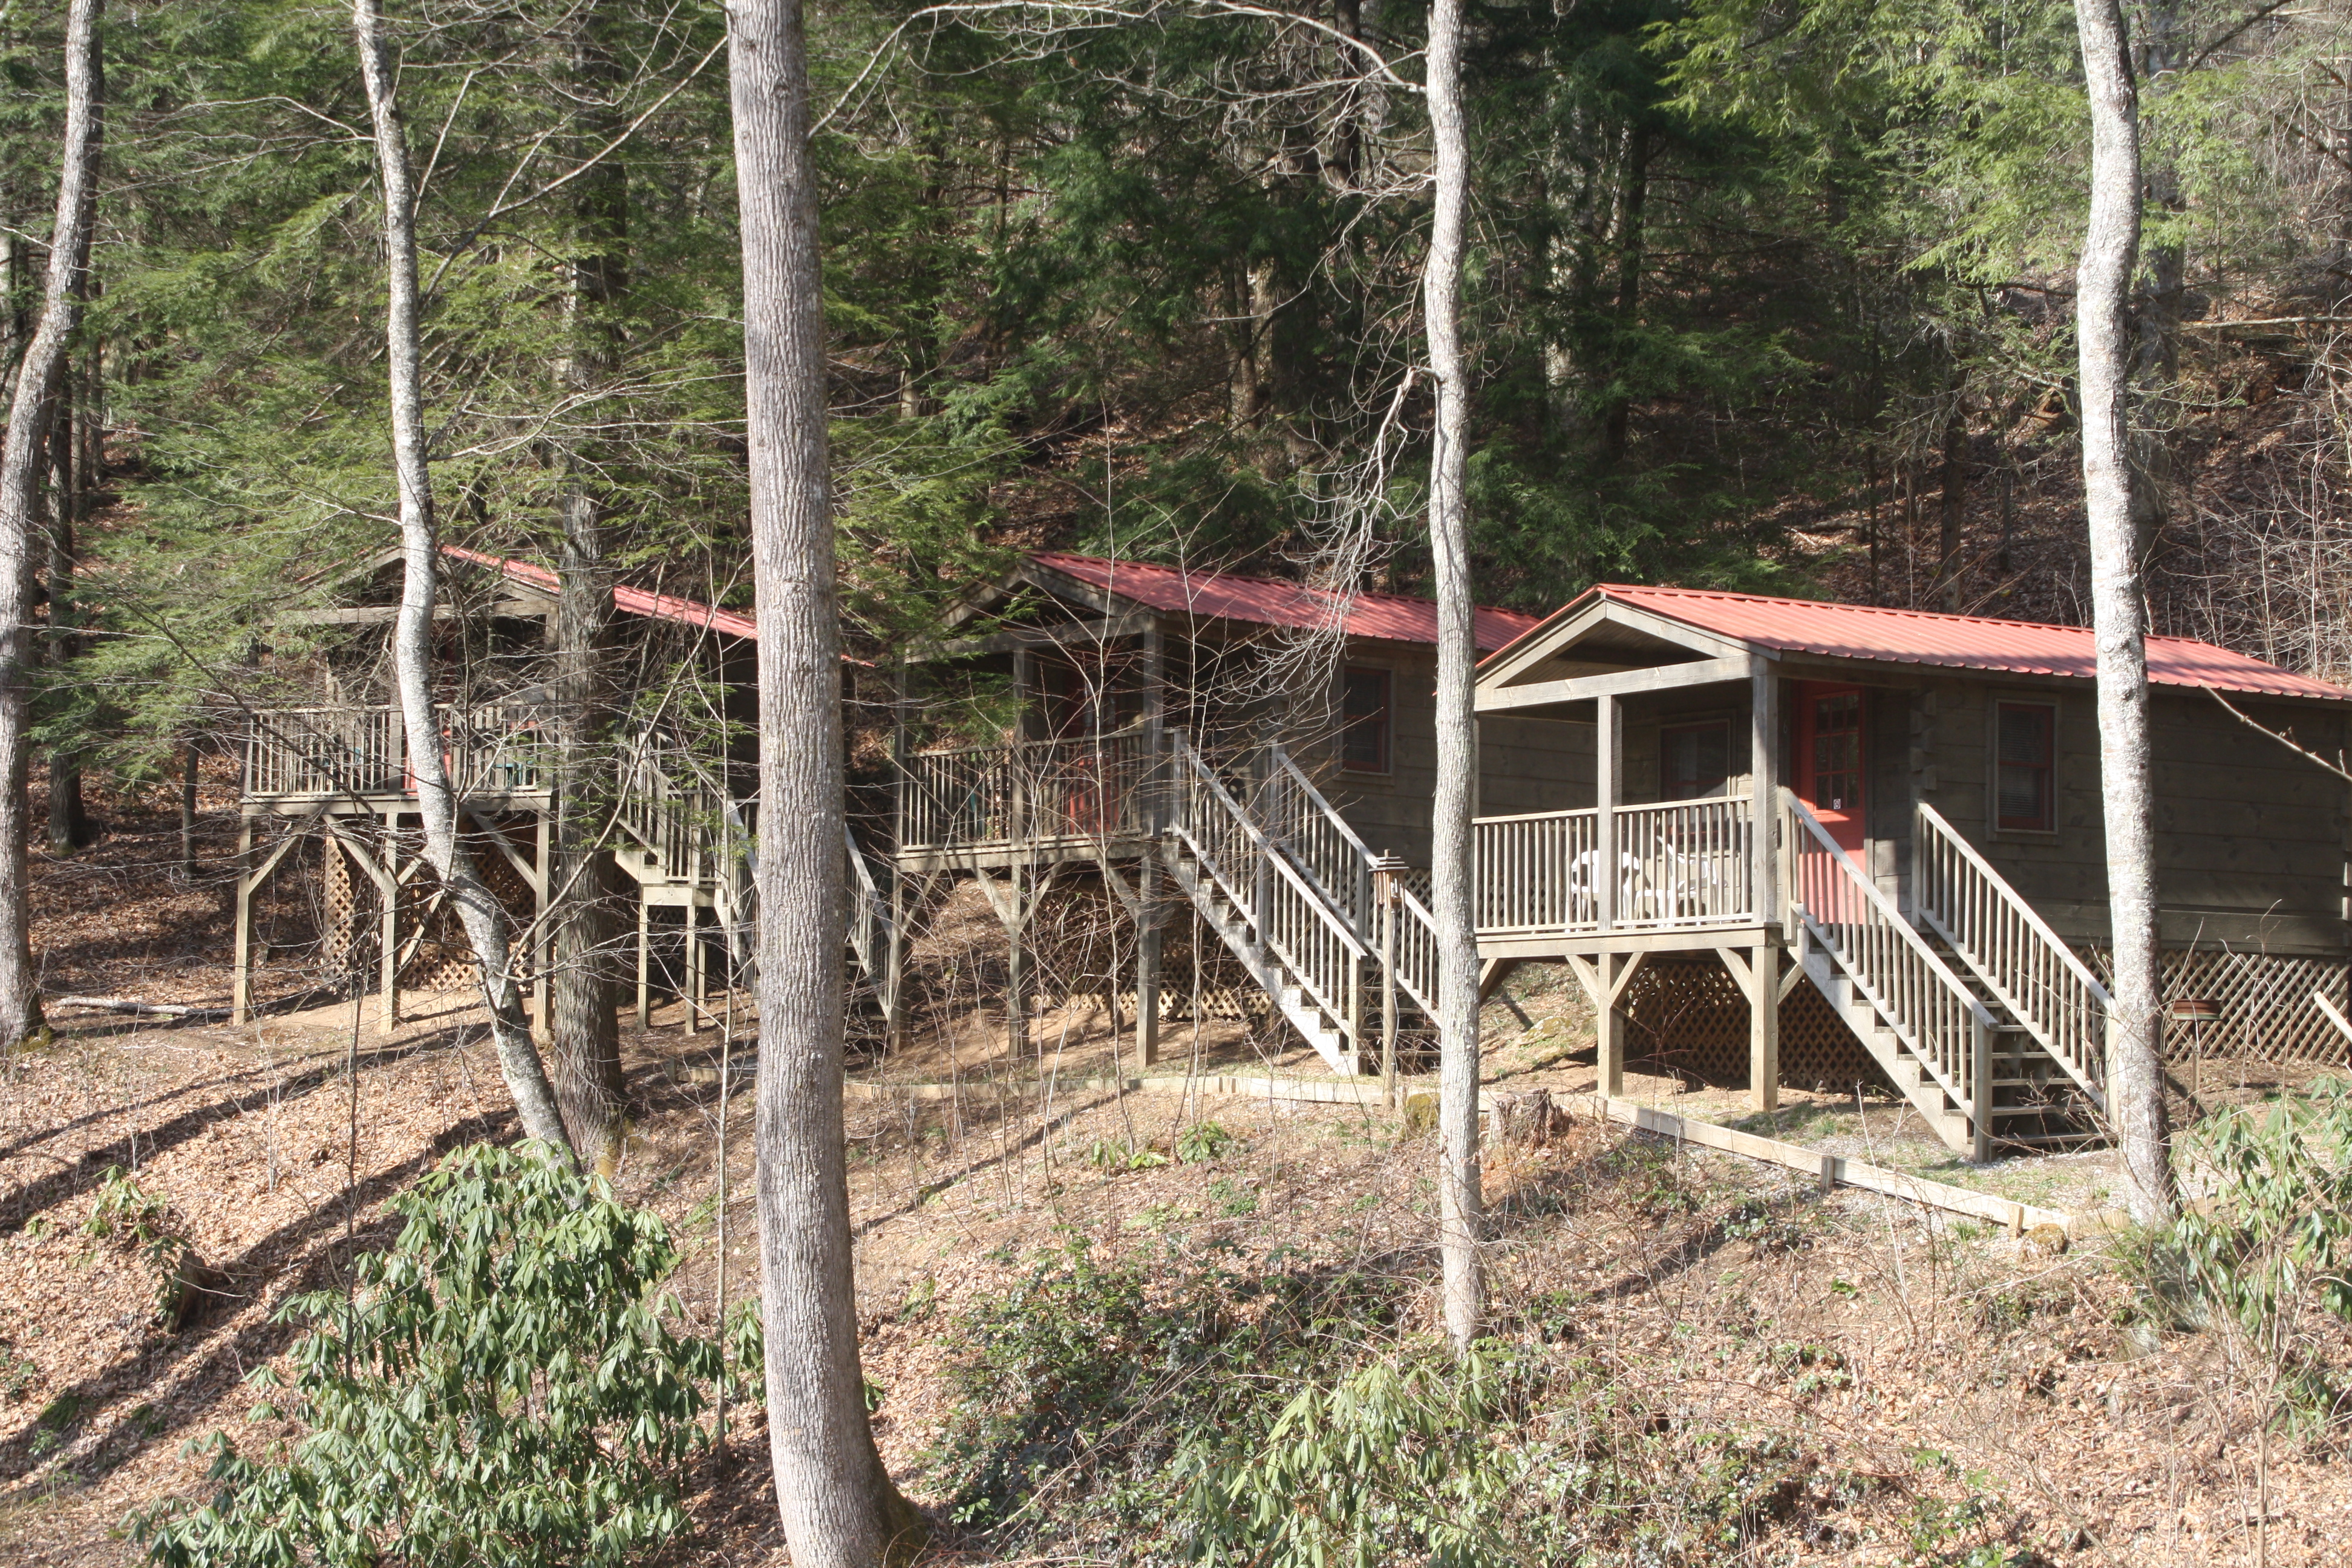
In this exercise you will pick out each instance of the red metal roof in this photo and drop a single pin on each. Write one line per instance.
(635, 601)
(1964, 642)
(1272, 602)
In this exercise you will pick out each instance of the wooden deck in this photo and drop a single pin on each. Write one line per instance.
(1034, 802)
(305, 760)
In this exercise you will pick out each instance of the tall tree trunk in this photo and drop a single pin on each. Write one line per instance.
(838, 1506)
(1459, 1198)
(1955, 499)
(2103, 284)
(68, 489)
(188, 810)
(1630, 258)
(478, 910)
(585, 991)
(21, 453)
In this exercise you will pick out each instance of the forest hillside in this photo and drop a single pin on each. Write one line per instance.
(622, 943)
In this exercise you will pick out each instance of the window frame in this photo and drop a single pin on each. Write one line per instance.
(1721, 723)
(1387, 729)
(1995, 825)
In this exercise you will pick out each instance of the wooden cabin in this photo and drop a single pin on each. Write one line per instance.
(1268, 746)
(1905, 807)
(1878, 830)
(328, 781)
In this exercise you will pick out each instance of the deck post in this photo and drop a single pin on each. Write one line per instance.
(241, 988)
(1764, 1026)
(1016, 979)
(1605, 761)
(1609, 1023)
(1764, 781)
(690, 983)
(644, 961)
(893, 965)
(1385, 891)
(1980, 1092)
(388, 931)
(1150, 916)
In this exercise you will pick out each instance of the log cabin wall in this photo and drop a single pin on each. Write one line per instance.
(2250, 838)
(1524, 765)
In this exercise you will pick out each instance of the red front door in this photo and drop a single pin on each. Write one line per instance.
(1829, 759)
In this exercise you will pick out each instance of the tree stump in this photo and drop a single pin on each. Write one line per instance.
(1524, 1119)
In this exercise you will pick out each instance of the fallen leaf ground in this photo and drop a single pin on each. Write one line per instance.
(1925, 1362)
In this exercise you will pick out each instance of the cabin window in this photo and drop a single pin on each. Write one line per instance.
(2025, 734)
(1694, 759)
(1365, 723)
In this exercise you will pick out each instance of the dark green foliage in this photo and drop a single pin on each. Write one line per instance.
(1201, 1407)
(502, 1387)
(1084, 1379)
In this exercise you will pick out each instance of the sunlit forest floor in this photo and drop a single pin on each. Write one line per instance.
(1788, 1378)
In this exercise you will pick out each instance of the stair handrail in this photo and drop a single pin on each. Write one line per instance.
(2080, 1052)
(1334, 994)
(1355, 904)
(1419, 983)
(869, 913)
(1968, 1085)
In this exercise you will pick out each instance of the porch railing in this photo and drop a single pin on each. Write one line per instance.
(1294, 923)
(1089, 787)
(2013, 949)
(493, 747)
(671, 817)
(1681, 863)
(1913, 989)
(1299, 819)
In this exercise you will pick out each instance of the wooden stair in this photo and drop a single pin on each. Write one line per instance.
(1234, 928)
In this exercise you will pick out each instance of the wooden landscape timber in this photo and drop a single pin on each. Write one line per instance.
(1829, 1170)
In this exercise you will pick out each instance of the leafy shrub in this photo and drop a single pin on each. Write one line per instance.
(130, 1215)
(1111, 1155)
(1203, 1141)
(501, 1387)
(1076, 1388)
(1395, 1456)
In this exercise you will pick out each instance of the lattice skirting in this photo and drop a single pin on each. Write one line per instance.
(1689, 1016)
(2267, 1013)
(440, 958)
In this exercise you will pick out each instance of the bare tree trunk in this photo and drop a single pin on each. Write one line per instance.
(188, 810)
(838, 1506)
(1460, 1199)
(1955, 499)
(2103, 283)
(478, 910)
(69, 485)
(585, 991)
(21, 455)
(1630, 258)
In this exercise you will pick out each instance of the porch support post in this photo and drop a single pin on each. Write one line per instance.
(690, 982)
(1151, 915)
(1763, 987)
(1016, 972)
(1384, 892)
(1604, 763)
(1764, 777)
(1609, 1026)
(241, 990)
(388, 937)
(644, 961)
(1606, 977)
